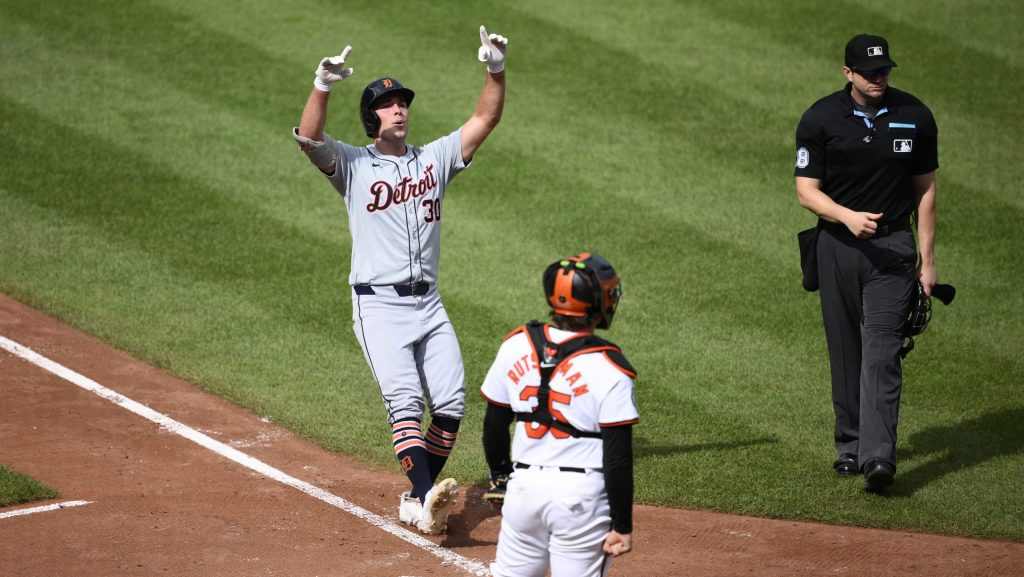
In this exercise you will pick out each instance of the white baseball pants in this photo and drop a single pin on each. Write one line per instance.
(555, 519)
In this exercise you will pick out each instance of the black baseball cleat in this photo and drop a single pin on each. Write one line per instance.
(878, 475)
(846, 465)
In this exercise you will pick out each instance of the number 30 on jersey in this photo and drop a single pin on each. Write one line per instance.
(433, 209)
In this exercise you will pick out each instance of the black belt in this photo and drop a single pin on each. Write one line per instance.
(403, 290)
(563, 469)
(884, 229)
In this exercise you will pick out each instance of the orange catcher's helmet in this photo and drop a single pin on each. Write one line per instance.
(582, 284)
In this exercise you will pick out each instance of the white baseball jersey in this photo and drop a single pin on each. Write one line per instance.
(394, 208)
(588, 391)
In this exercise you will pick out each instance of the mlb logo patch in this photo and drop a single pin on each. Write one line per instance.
(902, 145)
(875, 51)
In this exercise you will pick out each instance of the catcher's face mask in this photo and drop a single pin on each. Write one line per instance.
(582, 284)
(920, 313)
(917, 320)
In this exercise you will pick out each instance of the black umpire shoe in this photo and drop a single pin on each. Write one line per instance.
(878, 475)
(846, 465)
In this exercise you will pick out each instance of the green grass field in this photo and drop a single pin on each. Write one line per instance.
(17, 488)
(151, 195)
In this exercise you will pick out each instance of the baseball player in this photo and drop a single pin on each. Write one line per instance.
(394, 195)
(567, 491)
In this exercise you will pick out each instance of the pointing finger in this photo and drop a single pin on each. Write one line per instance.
(344, 53)
(484, 38)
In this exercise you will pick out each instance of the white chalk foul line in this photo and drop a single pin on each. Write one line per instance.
(42, 509)
(169, 424)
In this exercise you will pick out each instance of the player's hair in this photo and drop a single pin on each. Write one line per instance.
(575, 324)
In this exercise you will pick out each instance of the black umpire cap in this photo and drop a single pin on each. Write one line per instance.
(867, 52)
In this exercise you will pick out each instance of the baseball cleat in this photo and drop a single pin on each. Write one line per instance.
(436, 506)
(410, 510)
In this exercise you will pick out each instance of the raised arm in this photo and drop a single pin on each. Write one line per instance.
(492, 98)
(314, 115)
(310, 132)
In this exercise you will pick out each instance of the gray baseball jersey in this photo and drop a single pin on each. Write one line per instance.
(394, 208)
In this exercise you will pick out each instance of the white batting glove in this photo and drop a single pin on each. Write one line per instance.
(332, 69)
(492, 51)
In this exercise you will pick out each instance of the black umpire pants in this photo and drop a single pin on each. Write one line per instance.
(866, 289)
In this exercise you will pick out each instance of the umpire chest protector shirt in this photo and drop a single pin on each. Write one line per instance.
(865, 164)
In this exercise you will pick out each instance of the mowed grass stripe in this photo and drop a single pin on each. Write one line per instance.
(191, 227)
(239, 153)
(988, 27)
(152, 44)
(200, 330)
(776, 78)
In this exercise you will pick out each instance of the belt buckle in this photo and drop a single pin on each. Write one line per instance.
(412, 289)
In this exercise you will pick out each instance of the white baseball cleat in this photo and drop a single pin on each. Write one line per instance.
(437, 505)
(410, 510)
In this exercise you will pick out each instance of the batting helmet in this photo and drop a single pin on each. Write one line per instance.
(373, 92)
(581, 285)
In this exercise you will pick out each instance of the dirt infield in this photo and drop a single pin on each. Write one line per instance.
(161, 504)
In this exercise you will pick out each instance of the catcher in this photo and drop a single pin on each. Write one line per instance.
(567, 492)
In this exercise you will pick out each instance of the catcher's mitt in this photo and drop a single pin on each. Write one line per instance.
(495, 494)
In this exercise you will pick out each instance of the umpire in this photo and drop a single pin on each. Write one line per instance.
(865, 166)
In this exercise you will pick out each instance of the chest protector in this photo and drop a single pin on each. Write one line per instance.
(551, 356)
